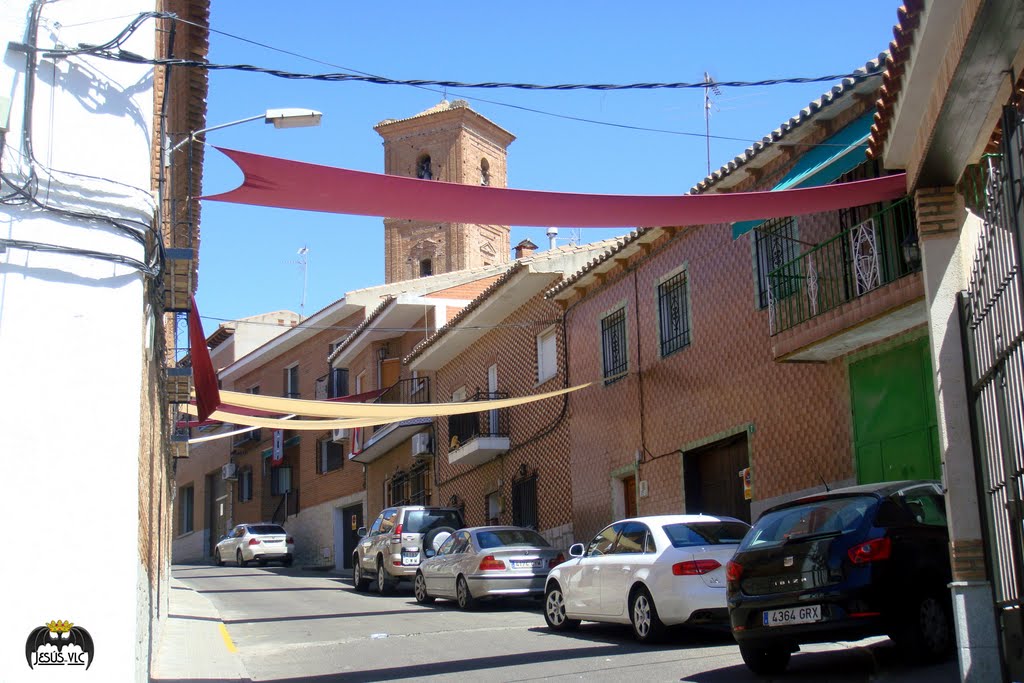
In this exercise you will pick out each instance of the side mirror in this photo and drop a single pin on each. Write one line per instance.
(361, 532)
(576, 550)
(429, 552)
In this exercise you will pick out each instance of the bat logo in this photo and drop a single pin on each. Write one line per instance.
(60, 635)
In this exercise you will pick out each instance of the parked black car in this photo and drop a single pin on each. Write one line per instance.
(843, 565)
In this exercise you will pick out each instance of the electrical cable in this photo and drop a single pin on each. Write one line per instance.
(76, 251)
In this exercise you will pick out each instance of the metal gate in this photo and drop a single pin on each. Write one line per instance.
(992, 323)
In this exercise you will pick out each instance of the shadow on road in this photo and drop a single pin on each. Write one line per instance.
(845, 664)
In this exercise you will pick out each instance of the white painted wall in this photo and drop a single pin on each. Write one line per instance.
(72, 343)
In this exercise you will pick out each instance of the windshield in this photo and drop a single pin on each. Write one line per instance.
(684, 535)
(509, 538)
(261, 529)
(422, 521)
(817, 519)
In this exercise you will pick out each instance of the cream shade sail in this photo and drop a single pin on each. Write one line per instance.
(387, 412)
(289, 422)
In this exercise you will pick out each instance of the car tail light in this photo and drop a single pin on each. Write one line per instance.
(490, 563)
(290, 540)
(871, 551)
(398, 530)
(254, 541)
(557, 561)
(733, 571)
(695, 567)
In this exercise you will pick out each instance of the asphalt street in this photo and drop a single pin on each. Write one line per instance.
(296, 626)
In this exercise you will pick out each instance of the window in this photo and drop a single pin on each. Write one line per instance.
(485, 172)
(604, 541)
(388, 521)
(330, 456)
(338, 383)
(375, 527)
(926, 505)
(245, 485)
(633, 539)
(685, 535)
(462, 543)
(524, 502)
(426, 268)
(186, 500)
(613, 346)
(547, 355)
(291, 382)
(423, 170)
(280, 480)
(775, 245)
(673, 313)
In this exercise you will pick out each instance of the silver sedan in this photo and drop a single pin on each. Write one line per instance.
(487, 562)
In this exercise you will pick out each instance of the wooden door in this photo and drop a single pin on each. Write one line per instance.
(629, 493)
(712, 478)
(390, 370)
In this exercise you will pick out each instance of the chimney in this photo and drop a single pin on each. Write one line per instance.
(525, 248)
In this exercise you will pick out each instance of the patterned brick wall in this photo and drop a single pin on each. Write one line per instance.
(539, 432)
(725, 378)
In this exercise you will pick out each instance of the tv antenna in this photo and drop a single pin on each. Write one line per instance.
(709, 87)
(304, 265)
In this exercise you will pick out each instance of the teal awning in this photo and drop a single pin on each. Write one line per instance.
(288, 443)
(839, 154)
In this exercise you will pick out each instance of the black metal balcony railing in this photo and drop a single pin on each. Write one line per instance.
(870, 255)
(464, 428)
(247, 438)
(411, 390)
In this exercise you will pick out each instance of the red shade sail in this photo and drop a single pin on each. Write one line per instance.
(287, 184)
(203, 375)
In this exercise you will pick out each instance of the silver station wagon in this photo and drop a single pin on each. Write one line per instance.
(486, 562)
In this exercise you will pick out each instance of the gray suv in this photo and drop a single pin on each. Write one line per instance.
(395, 544)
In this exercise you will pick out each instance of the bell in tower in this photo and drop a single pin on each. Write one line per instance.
(451, 143)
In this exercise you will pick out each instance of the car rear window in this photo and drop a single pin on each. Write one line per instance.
(422, 521)
(261, 529)
(510, 538)
(820, 518)
(683, 535)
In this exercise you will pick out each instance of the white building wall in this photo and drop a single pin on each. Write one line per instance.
(72, 338)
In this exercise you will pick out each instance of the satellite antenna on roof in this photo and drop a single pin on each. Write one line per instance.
(709, 87)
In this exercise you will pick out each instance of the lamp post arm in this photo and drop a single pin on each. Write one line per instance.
(193, 134)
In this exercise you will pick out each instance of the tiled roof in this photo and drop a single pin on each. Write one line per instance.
(871, 70)
(620, 244)
(367, 321)
(516, 267)
(443, 105)
(892, 80)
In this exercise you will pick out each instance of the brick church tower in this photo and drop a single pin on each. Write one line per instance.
(452, 143)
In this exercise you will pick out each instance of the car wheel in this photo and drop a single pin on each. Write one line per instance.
(926, 634)
(383, 585)
(554, 609)
(238, 558)
(643, 615)
(463, 597)
(359, 581)
(419, 588)
(217, 558)
(287, 562)
(765, 660)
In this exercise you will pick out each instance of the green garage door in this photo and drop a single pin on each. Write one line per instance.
(894, 426)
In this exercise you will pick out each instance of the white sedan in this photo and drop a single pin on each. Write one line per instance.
(650, 572)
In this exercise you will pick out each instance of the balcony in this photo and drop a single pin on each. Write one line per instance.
(381, 439)
(476, 438)
(858, 287)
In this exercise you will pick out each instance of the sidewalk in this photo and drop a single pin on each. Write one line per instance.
(195, 644)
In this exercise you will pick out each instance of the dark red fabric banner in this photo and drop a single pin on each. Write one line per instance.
(270, 181)
(203, 376)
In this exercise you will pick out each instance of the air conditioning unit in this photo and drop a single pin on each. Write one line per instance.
(421, 444)
(339, 435)
(229, 471)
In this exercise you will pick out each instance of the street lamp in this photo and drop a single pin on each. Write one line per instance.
(281, 118)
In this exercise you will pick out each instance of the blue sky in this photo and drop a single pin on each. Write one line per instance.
(248, 260)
